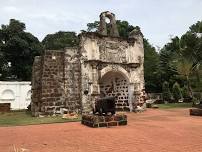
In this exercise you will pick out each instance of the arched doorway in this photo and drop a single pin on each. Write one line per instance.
(116, 84)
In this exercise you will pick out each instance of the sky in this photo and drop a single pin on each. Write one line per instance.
(159, 20)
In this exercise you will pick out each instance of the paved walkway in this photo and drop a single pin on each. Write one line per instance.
(151, 131)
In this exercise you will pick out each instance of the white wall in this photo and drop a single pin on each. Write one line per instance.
(16, 93)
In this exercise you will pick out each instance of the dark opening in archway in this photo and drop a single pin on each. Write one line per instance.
(116, 84)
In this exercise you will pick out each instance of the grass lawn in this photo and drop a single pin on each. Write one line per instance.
(175, 105)
(19, 118)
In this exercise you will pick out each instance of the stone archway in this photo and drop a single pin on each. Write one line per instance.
(114, 83)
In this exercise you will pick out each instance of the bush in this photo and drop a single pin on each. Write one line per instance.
(185, 92)
(166, 92)
(177, 94)
(197, 95)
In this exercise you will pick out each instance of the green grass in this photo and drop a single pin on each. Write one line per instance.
(175, 105)
(19, 118)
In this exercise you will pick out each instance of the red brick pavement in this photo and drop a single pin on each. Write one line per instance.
(151, 131)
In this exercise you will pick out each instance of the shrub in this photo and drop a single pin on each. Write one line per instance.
(197, 95)
(166, 92)
(177, 94)
(185, 92)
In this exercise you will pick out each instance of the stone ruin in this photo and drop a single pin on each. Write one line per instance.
(103, 64)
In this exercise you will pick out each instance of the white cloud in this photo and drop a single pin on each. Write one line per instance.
(11, 9)
(158, 19)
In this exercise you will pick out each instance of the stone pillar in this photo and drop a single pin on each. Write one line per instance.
(36, 86)
(95, 86)
(103, 25)
(131, 96)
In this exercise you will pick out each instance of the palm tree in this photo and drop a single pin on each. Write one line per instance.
(184, 68)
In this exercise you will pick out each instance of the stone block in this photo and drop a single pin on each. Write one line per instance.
(101, 118)
(96, 121)
(109, 118)
(121, 123)
(113, 123)
(102, 124)
(195, 112)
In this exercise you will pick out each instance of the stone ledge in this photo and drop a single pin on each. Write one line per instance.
(96, 121)
(195, 112)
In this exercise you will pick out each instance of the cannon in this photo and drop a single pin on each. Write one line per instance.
(104, 105)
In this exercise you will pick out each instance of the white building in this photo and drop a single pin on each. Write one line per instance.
(16, 93)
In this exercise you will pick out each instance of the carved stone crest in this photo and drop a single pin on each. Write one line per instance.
(112, 52)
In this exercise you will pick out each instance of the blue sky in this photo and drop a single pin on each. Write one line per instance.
(159, 19)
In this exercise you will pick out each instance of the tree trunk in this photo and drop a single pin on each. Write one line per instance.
(189, 87)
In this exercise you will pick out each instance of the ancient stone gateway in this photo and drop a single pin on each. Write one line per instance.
(104, 64)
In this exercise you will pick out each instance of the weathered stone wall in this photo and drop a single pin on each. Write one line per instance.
(104, 54)
(56, 82)
(96, 121)
(36, 86)
(71, 79)
(52, 81)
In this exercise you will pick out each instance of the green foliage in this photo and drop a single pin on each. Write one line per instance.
(197, 95)
(185, 92)
(166, 91)
(167, 55)
(174, 105)
(181, 58)
(152, 74)
(124, 27)
(177, 94)
(184, 67)
(60, 40)
(93, 27)
(18, 49)
(196, 28)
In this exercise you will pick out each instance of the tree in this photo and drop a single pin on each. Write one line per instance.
(167, 55)
(193, 49)
(93, 27)
(60, 40)
(152, 73)
(166, 91)
(196, 28)
(181, 58)
(18, 50)
(177, 94)
(185, 68)
(185, 92)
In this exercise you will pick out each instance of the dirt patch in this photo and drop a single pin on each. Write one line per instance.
(153, 130)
